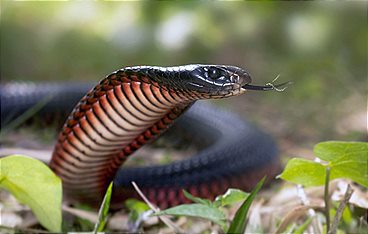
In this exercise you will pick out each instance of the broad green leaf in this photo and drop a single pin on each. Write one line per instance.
(352, 170)
(136, 208)
(33, 184)
(197, 199)
(309, 173)
(196, 210)
(346, 159)
(104, 210)
(239, 222)
(230, 197)
(304, 172)
(332, 150)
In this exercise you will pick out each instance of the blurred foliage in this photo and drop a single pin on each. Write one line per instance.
(320, 46)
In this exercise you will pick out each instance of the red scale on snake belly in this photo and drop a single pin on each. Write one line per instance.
(116, 117)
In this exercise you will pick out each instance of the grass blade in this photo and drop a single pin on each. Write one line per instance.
(304, 226)
(25, 116)
(103, 212)
(238, 224)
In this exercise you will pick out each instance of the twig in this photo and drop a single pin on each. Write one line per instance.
(293, 215)
(326, 198)
(340, 210)
(87, 215)
(164, 219)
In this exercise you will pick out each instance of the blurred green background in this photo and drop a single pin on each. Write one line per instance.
(320, 46)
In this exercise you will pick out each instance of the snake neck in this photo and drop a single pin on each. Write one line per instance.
(112, 121)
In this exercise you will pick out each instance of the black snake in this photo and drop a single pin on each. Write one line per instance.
(135, 105)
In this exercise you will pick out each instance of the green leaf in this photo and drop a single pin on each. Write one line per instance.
(345, 160)
(304, 172)
(33, 184)
(332, 150)
(354, 170)
(196, 210)
(104, 210)
(239, 222)
(230, 197)
(197, 199)
(136, 208)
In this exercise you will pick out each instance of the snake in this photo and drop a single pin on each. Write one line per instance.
(133, 106)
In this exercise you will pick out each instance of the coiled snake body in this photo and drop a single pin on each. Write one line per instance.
(133, 106)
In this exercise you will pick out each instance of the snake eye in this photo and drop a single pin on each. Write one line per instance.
(214, 73)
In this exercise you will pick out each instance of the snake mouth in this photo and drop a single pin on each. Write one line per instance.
(267, 87)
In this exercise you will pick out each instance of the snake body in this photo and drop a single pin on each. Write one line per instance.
(135, 105)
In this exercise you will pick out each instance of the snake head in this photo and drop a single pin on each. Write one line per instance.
(202, 80)
(217, 81)
(224, 81)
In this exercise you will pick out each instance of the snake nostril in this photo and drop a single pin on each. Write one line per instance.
(234, 78)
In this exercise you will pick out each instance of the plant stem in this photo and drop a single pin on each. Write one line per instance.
(326, 198)
(164, 219)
